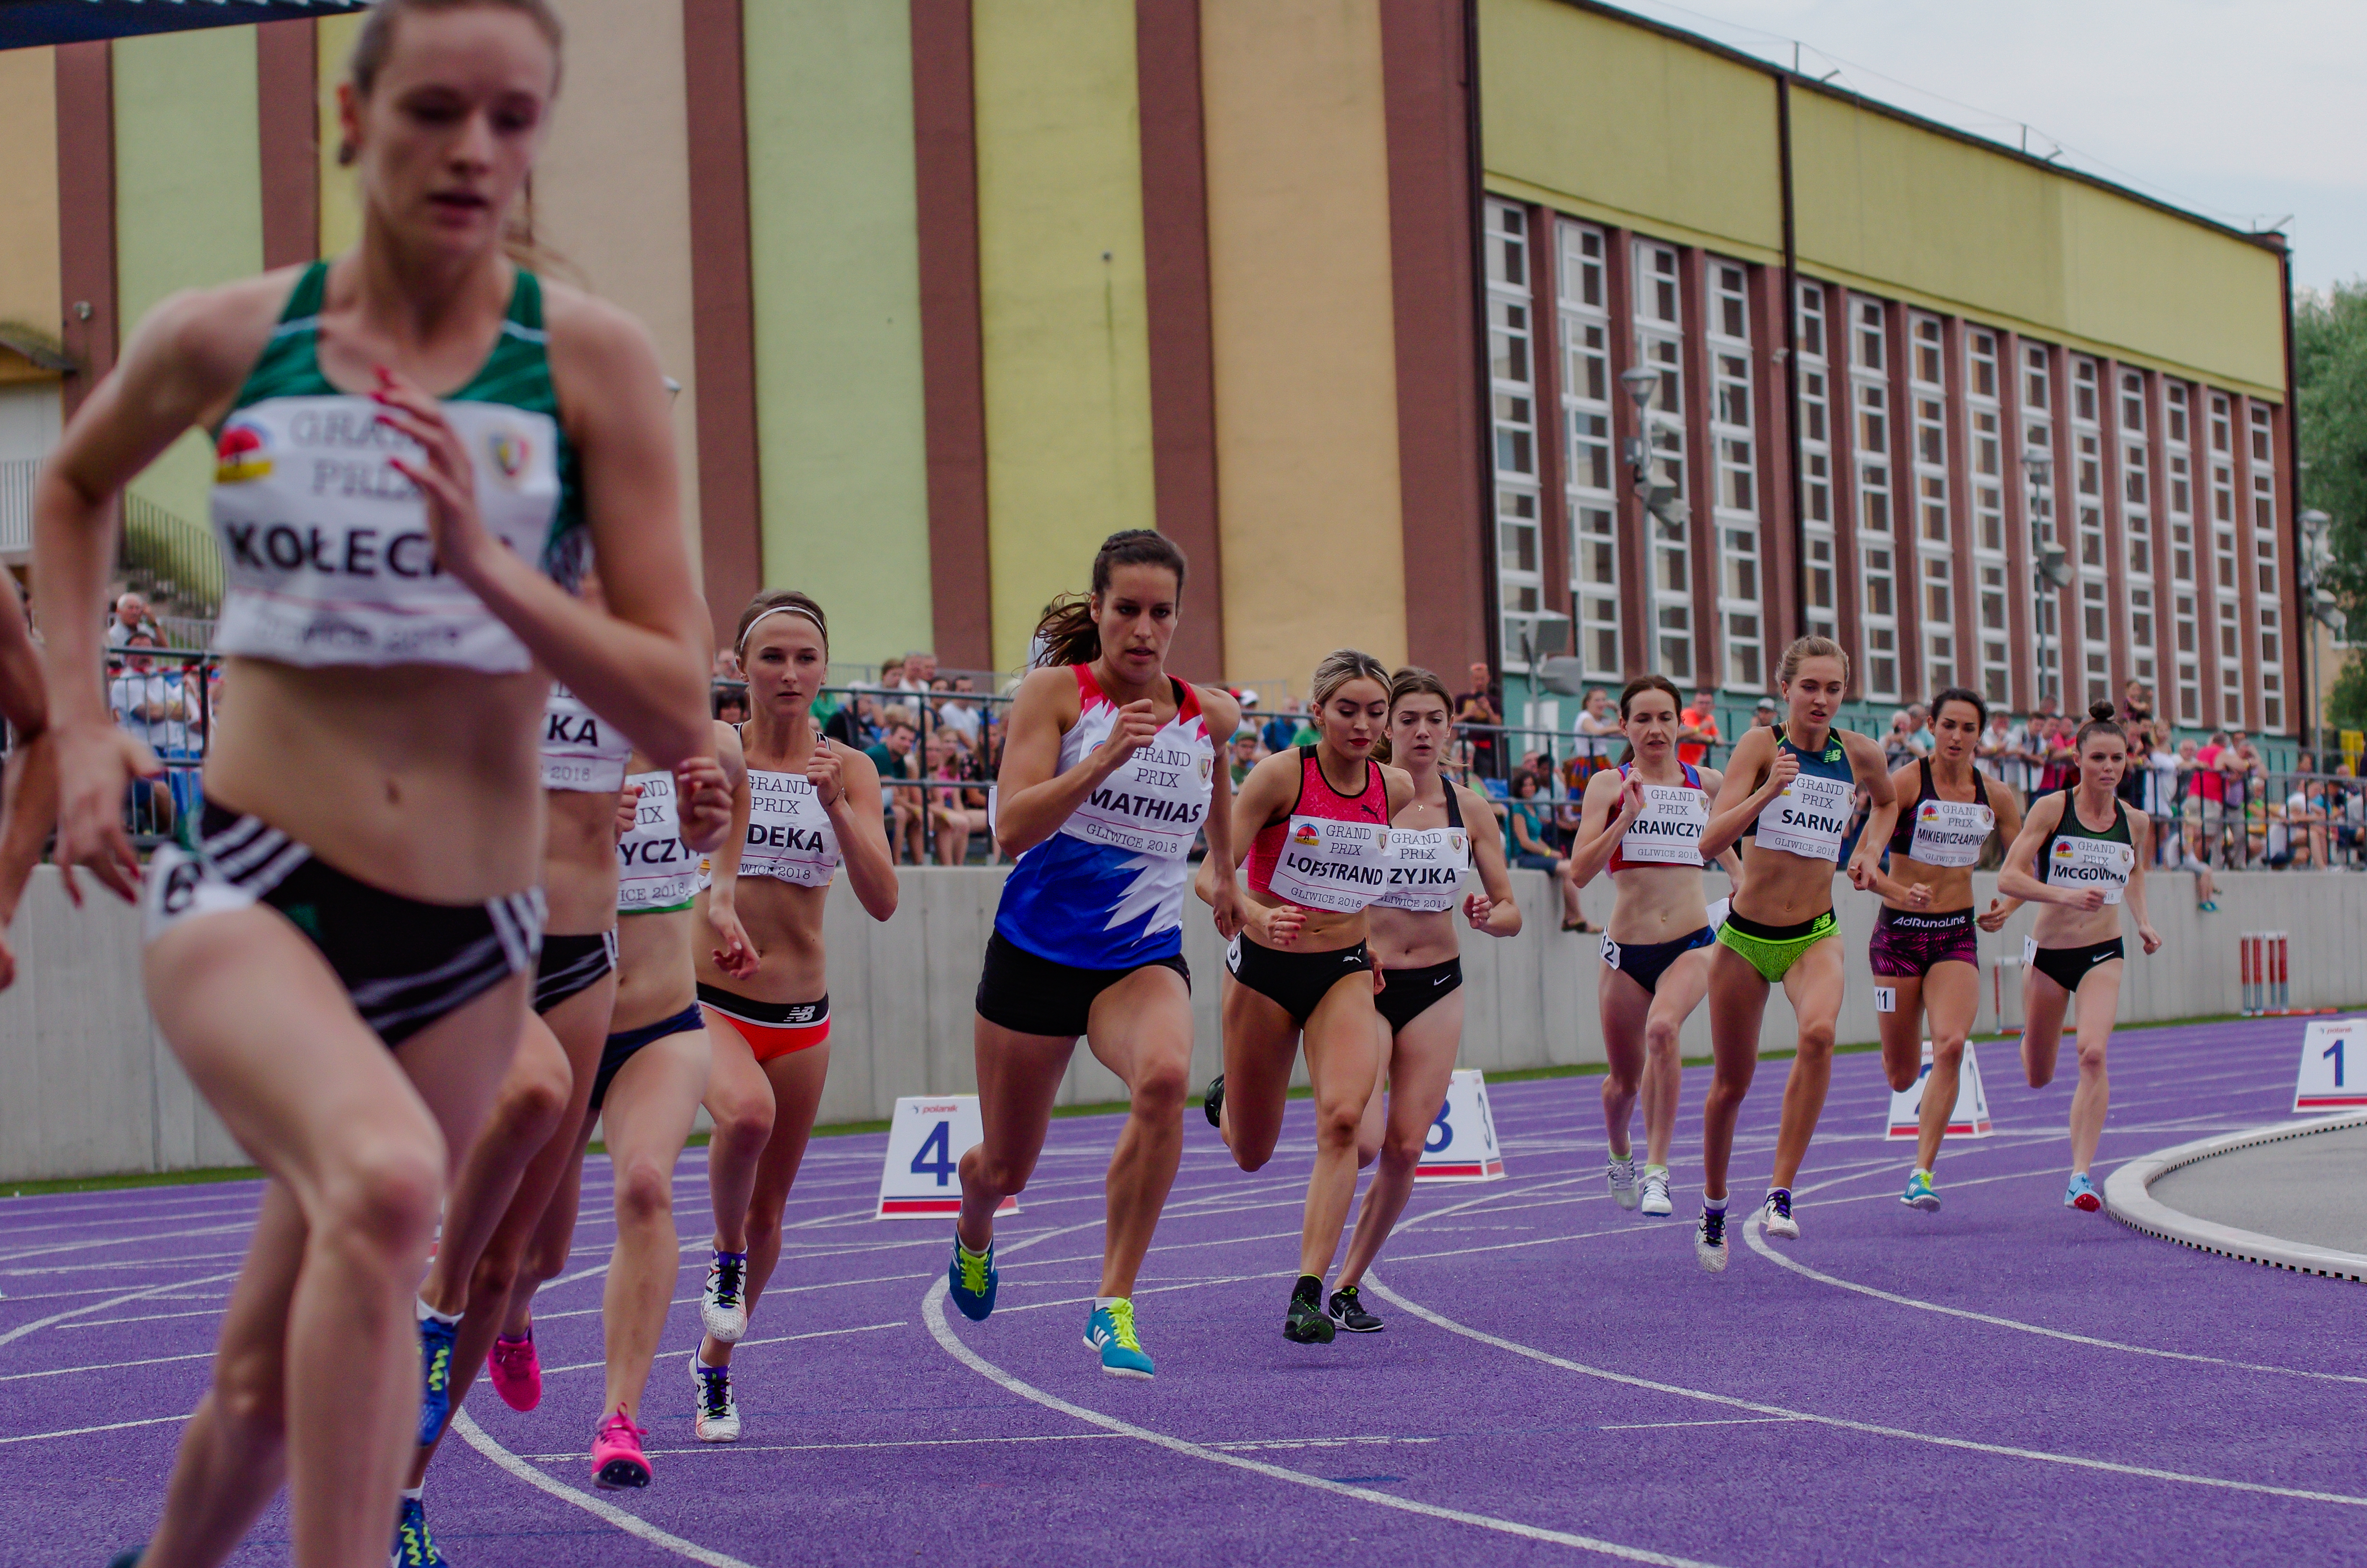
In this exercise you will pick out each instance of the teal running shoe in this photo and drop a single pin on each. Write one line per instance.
(2082, 1194)
(125, 1560)
(436, 1366)
(972, 1280)
(1919, 1193)
(414, 1547)
(1110, 1330)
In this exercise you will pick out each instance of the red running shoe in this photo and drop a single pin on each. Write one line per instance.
(516, 1371)
(616, 1459)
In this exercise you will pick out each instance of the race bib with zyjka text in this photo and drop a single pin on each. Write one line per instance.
(1331, 865)
(1810, 818)
(1426, 868)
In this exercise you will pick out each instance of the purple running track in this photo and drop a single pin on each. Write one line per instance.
(2008, 1381)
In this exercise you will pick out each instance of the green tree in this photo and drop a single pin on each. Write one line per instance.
(2330, 367)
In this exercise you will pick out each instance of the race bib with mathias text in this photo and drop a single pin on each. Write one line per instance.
(1426, 869)
(1156, 801)
(1332, 865)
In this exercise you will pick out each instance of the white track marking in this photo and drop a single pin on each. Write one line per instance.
(86, 1431)
(478, 1439)
(1734, 1421)
(932, 1310)
(743, 1345)
(23, 1329)
(1758, 1244)
(1870, 1428)
(109, 1366)
(148, 1317)
(56, 1247)
(828, 1447)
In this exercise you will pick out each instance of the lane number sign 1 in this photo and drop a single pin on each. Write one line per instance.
(2333, 1066)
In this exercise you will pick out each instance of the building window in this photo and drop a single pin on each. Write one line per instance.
(1737, 501)
(1816, 463)
(2179, 499)
(1988, 465)
(1935, 561)
(2264, 568)
(2087, 499)
(1877, 547)
(1520, 574)
(2038, 439)
(1660, 335)
(2136, 525)
(1585, 320)
(2231, 667)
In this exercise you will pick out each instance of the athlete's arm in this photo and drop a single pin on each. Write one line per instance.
(706, 788)
(1495, 911)
(644, 662)
(1265, 796)
(1610, 807)
(2019, 879)
(2006, 801)
(1740, 803)
(1030, 803)
(1866, 766)
(1222, 716)
(2140, 842)
(856, 817)
(735, 953)
(1915, 895)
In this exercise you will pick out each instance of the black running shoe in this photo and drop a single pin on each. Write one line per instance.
(1306, 1325)
(1212, 1104)
(1350, 1313)
(125, 1560)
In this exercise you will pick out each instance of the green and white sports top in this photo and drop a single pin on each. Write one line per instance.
(325, 548)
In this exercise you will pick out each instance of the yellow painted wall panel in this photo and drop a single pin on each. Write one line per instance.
(2135, 275)
(1061, 297)
(341, 211)
(29, 194)
(1576, 102)
(1302, 334)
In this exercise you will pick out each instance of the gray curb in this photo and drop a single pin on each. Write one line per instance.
(2128, 1198)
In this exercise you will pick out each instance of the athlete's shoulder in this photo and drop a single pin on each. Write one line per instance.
(1220, 709)
(1398, 783)
(853, 762)
(594, 344)
(1713, 780)
(216, 333)
(1056, 684)
(1858, 747)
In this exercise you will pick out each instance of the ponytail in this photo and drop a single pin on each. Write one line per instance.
(1068, 633)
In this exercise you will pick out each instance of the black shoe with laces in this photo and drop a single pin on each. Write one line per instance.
(1306, 1325)
(1213, 1103)
(1350, 1313)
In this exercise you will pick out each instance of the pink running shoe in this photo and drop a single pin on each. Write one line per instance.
(616, 1458)
(516, 1371)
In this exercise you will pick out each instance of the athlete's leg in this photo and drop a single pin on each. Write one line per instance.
(2043, 1003)
(1682, 985)
(501, 1278)
(1813, 986)
(1261, 1044)
(1951, 997)
(796, 1078)
(1421, 1061)
(1018, 1078)
(1140, 1028)
(317, 1373)
(527, 1106)
(1342, 1045)
(1624, 1006)
(1374, 1128)
(1737, 1003)
(647, 1120)
(1901, 1030)
(739, 1098)
(2099, 1002)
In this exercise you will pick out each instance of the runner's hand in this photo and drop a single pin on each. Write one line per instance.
(2086, 901)
(1780, 773)
(1230, 910)
(824, 772)
(702, 801)
(628, 809)
(738, 956)
(96, 762)
(1280, 927)
(1918, 896)
(1476, 907)
(446, 477)
(1862, 875)
(1631, 800)
(1130, 733)
(1993, 918)
(2150, 938)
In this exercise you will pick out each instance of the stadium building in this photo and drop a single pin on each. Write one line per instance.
(1364, 301)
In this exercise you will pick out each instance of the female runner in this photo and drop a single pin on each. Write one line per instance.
(1421, 968)
(2094, 849)
(810, 805)
(653, 1074)
(1315, 823)
(413, 441)
(1789, 790)
(1926, 960)
(1643, 823)
(1109, 772)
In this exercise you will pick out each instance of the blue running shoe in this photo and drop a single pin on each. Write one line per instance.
(414, 1547)
(436, 1366)
(1919, 1193)
(2082, 1194)
(972, 1279)
(1110, 1330)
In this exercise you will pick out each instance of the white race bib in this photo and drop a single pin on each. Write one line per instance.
(2076, 861)
(1154, 803)
(1951, 832)
(1670, 831)
(789, 836)
(580, 750)
(1810, 818)
(1427, 868)
(655, 869)
(1337, 866)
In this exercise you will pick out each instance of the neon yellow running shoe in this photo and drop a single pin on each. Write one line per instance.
(1110, 1330)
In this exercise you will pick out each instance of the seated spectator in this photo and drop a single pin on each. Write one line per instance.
(916, 674)
(960, 711)
(159, 707)
(892, 754)
(891, 674)
(1245, 754)
(1762, 714)
(1279, 732)
(1526, 845)
(1990, 751)
(1599, 738)
(131, 619)
(731, 705)
(1483, 706)
(727, 665)
(948, 815)
(855, 723)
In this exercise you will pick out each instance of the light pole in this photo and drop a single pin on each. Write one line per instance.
(2318, 605)
(2049, 567)
(1655, 487)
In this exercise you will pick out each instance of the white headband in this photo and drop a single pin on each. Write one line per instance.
(782, 610)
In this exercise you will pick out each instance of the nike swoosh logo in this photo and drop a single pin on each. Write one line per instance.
(1440, 979)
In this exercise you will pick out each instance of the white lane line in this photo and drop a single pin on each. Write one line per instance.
(825, 1448)
(148, 1317)
(124, 1241)
(107, 1366)
(1760, 1245)
(1734, 1421)
(86, 1431)
(607, 1513)
(2005, 1451)
(933, 1308)
(743, 1345)
(23, 1329)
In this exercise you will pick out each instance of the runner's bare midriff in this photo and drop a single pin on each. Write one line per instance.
(579, 864)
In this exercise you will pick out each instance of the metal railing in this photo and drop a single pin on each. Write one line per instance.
(17, 502)
(179, 557)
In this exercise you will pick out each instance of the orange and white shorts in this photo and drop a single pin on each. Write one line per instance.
(771, 1028)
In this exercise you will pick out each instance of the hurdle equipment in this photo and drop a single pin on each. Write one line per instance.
(2264, 979)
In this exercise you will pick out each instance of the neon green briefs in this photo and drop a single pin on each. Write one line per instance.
(1773, 949)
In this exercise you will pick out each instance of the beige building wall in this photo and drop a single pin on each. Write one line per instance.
(612, 189)
(29, 201)
(1303, 335)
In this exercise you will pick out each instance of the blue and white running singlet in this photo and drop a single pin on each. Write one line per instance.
(1106, 890)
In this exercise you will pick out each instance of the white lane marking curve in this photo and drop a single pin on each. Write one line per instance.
(932, 1310)
(23, 1329)
(477, 1438)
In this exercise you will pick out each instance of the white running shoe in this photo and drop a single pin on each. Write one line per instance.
(1656, 1204)
(1620, 1176)
(1709, 1241)
(1776, 1215)
(716, 1418)
(723, 1304)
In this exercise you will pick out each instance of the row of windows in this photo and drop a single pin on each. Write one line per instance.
(1707, 552)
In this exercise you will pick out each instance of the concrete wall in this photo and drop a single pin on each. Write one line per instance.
(85, 1089)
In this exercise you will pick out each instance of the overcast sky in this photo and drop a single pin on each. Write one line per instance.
(2242, 110)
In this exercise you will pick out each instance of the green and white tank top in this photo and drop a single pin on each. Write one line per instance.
(2080, 857)
(327, 554)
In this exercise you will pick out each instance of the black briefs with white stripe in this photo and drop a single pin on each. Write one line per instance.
(570, 966)
(404, 964)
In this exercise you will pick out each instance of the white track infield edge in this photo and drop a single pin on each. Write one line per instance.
(2128, 1197)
